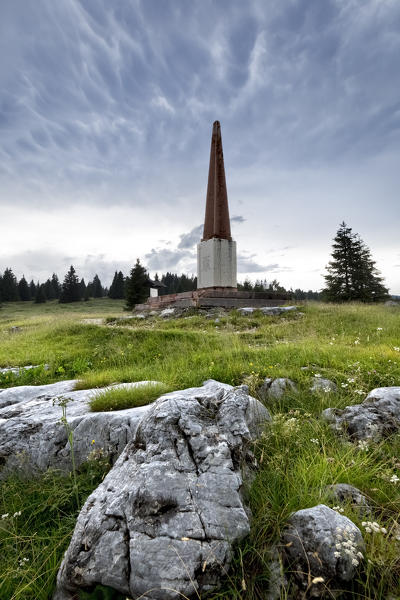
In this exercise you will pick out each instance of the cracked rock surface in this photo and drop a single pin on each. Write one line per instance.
(33, 439)
(163, 521)
(322, 545)
(375, 418)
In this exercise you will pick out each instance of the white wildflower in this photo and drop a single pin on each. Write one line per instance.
(394, 479)
(340, 510)
(346, 545)
(396, 348)
(363, 445)
(373, 527)
(345, 385)
(351, 380)
(314, 440)
(5, 516)
(379, 328)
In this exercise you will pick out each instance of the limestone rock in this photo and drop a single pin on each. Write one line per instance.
(315, 545)
(343, 492)
(246, 310)
(375, 418)
(320, 384)
(277, 310)
(162, 523)
(275, 388)
(266, 310)
(18, 370)
(32, 438)
(167, 312)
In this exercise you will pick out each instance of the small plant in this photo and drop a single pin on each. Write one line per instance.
(62, 401)
(119, 398)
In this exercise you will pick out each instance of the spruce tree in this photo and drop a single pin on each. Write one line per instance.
(352, 274)
(112, 286)
(23, 290)
(40, 297)
(48, 290)
(97, 287)
(117, 288)
(32, 288)
(71, 291)
(9, 286)
(56, 286)
(138, 286)
(83, 287)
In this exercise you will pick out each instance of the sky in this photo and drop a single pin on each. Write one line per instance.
(106, 112)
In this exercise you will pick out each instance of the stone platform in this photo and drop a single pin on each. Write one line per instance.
(214, 297)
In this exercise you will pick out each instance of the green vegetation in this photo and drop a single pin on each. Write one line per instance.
(120, 398)
(355, 345)
(352, 274)
(36, 523)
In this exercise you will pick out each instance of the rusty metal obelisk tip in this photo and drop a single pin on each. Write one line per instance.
(216, 223)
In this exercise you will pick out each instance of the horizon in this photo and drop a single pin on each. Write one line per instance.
(106, 116)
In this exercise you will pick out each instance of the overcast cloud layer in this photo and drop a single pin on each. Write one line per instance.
(106, 110)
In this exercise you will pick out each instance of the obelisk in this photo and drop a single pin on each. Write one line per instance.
(216, 253)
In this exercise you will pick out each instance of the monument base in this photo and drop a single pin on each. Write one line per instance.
(214, 297)
(216, 263)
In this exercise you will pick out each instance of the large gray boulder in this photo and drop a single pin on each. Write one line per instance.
(322, 550)
(162, 523)
(375, 418)
(33, 439)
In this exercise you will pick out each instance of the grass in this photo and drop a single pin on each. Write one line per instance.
(120, 398)
(354, 345)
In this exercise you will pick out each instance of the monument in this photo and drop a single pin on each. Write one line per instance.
(216, 252)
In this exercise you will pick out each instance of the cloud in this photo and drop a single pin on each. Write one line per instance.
(110, 105)
(164, 259)
(188, 240)
(248, 265)
(162, 102)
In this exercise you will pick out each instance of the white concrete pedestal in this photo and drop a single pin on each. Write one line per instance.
(216, 263)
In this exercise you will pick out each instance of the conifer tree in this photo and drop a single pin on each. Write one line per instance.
(71, 291)
(48, 290)
(40, 297)
(56, 286)
(23, 290)
(83, 287)
(97, 289)
(138, 286)
(32, 288)
(352, 274)
(9, 286)
(117, 288)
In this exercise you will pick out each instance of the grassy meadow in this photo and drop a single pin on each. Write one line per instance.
(357, 346)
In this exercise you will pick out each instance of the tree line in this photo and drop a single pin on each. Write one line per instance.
(351, 275)
(71, 290)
